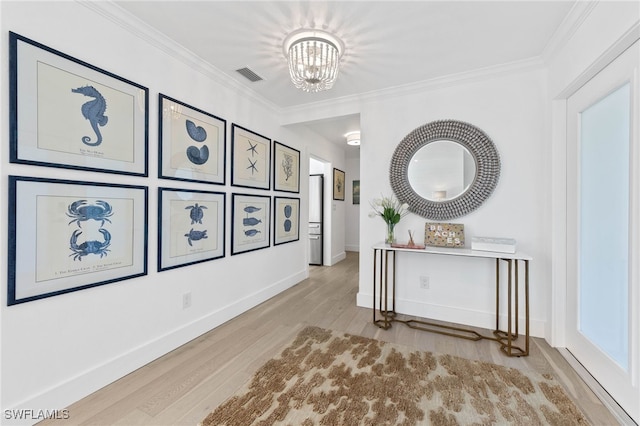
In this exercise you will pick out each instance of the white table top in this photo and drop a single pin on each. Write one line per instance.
(452, 251)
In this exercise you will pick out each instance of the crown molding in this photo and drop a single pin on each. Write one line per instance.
(567, 28)
(466, 77)
(143, 31)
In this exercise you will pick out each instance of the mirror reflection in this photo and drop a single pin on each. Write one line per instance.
(441, 170)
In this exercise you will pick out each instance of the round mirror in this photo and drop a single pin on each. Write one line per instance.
(441, 171)
(444, 169)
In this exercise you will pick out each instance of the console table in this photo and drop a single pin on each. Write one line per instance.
(386, 288)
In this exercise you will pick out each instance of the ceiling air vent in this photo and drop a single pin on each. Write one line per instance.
(249, 75)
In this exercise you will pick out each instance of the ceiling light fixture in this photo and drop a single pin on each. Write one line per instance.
(314, 59)
(353, 138)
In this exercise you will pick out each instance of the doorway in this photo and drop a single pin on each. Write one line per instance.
(603, 227)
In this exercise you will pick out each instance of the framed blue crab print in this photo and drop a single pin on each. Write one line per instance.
(67, 235)
(286, 168)
(192, 143)
(251, 222)
(250, 158)
(191, 227)
(67, 113)
(286, 220)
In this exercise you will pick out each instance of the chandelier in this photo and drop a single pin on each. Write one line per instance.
(314, 58)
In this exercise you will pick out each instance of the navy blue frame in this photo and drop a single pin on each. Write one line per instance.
(14, 139)
(161, 98)
(12, 237)
(160, 230)
(275, 168)
(267, 222)
(235, 126)
(275, 219)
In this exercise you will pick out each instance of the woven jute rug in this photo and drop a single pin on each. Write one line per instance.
(329, 378)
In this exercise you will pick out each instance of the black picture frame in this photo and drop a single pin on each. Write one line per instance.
(338, 184)
(192, 143)
(67, 113)
(250, 158)
(66, 236)
(191, 227)
(286, 220)
(251, 220)
(286, 168)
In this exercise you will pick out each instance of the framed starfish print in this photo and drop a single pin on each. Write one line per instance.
(67, 113)
(250, 158)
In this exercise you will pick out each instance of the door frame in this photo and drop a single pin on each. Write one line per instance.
(556, 325)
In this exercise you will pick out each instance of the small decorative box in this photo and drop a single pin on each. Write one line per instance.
(444, 234)
(501, 245)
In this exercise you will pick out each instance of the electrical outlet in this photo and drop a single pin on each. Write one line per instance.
(186, 300)
(424, 282)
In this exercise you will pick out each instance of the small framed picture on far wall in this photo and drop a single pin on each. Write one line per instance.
(338, 184)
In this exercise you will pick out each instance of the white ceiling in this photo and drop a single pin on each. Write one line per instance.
(387, 43)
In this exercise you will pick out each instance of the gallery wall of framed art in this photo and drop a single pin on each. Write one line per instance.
(150, 308)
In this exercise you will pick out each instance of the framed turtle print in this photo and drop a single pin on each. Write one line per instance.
(67, 235)
(286, 168)
(67, 113)
(338, 184)
(251, 220)
(190, 227)
(286, 220)
(192, 143)
(250, 158)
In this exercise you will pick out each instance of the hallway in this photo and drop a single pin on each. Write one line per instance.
(183, 386)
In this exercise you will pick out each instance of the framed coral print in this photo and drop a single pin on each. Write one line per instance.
(286, 220)
(67, 113)
(338, 184)
(286, 168)
(251, 219)
(250, 158)
(192, 143)
(190, 227)
(67, 235)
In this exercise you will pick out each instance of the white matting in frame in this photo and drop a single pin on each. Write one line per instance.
(286, 220)
(250, 158)
(66, 236)
(67, 113)
(251, 222)
(286, 168)
(192, 143)
(191, 227)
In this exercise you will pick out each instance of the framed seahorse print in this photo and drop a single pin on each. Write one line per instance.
(67, 113)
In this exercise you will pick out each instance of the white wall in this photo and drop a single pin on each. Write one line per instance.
(511, 110)
(352, 219)
(56, 350)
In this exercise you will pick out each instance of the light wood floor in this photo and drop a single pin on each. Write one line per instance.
(183, 386)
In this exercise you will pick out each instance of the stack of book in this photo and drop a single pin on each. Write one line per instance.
(502, 245)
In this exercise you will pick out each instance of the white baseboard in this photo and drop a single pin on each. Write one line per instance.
(473, 318)
(352, 247)
(87, 382)
(338, 258)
